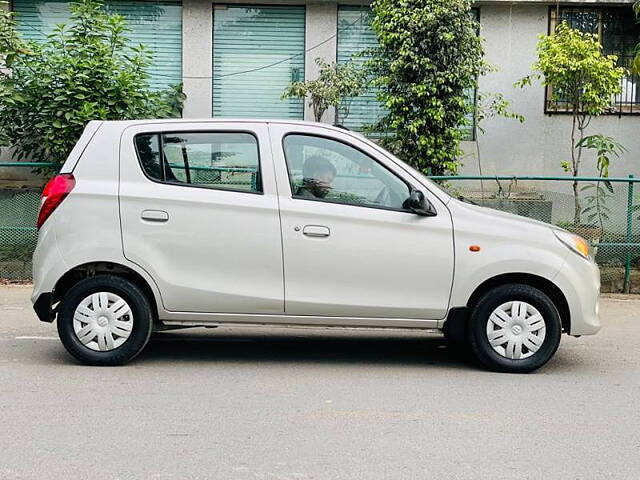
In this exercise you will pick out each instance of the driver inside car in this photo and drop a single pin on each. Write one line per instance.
(318, 174)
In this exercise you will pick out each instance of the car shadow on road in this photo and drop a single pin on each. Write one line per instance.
(311, 348)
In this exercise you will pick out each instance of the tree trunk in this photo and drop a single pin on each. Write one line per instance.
(575, 165)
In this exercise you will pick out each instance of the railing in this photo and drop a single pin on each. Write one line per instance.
(610, 221)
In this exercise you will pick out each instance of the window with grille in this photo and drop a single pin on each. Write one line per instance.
(618, 33)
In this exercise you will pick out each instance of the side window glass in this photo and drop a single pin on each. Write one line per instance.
(228, 161)
(148, 150)
(328, 170)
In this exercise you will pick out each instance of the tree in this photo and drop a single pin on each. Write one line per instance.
(429, 56)
(334, 85)
(81, 72)
(572, 63)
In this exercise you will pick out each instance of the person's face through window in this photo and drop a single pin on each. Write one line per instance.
(319, 176)
(323, 182)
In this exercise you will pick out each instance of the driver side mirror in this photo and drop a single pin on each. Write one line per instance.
(418, 204)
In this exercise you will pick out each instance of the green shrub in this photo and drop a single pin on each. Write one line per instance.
(83, 71)
(429, 55)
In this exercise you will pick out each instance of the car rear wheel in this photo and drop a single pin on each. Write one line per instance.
(105, 320)
(514, 328)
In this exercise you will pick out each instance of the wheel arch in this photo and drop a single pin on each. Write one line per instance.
(543, 284)
(92, 269)
(455, 326)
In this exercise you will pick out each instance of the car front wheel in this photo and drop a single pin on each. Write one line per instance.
(105, 320)
(514, 328)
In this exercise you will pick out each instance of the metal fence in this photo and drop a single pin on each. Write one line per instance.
(18, 214)
(607, 212)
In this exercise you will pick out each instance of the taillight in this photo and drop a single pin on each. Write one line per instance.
(55, 191)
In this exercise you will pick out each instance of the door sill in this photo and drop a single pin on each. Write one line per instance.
(189, 319)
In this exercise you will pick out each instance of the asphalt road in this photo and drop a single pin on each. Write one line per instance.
(316, 404)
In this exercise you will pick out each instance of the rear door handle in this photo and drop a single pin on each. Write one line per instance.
(316, 231)
(154, 215)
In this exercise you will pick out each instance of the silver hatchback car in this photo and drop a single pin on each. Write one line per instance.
(162, 224)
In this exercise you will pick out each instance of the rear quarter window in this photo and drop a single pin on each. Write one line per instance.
(218, 160)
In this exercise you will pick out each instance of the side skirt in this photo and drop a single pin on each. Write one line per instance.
(204, 320)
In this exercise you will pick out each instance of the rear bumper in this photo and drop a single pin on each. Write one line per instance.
(43, 307)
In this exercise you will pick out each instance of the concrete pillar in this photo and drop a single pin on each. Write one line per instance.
(321, 24)
(197, 57)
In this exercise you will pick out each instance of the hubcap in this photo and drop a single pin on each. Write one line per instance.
(103, 321)
(516, 330)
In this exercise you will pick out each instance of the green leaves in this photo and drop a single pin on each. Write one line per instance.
(83, 71)
(572, 63)
(429, 56)
(606, 148)
(11, 45)
(334, 84)
(489, 105)
(596, 203)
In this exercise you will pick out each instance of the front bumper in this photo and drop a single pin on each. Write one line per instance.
(579, 279)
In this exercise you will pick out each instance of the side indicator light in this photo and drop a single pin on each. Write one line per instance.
(474, 248)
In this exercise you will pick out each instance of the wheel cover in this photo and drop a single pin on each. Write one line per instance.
(516, 330)
(103, 321)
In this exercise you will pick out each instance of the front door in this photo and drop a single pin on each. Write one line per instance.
(199, 212)
(350, 247)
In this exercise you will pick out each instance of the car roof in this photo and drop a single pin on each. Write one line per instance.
(126, 123)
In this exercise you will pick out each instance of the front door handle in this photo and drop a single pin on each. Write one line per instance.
(316, 231)
(154, 215)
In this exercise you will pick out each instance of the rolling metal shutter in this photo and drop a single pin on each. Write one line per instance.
(155, 23)
(257, 52)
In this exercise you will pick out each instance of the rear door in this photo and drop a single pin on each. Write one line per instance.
(199, 212)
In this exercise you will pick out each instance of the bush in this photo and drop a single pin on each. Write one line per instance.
(429, 54)
(584, 78)
(84, 71)
(335, 83)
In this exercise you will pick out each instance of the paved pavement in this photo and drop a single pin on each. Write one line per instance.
(316, 404)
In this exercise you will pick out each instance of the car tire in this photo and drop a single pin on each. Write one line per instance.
(514, 328)
(105, 321)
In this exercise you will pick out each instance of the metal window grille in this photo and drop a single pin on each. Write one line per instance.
(619, 34)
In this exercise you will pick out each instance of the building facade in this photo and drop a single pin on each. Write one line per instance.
(235, 60)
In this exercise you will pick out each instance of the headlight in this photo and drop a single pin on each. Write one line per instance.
(574, 242)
